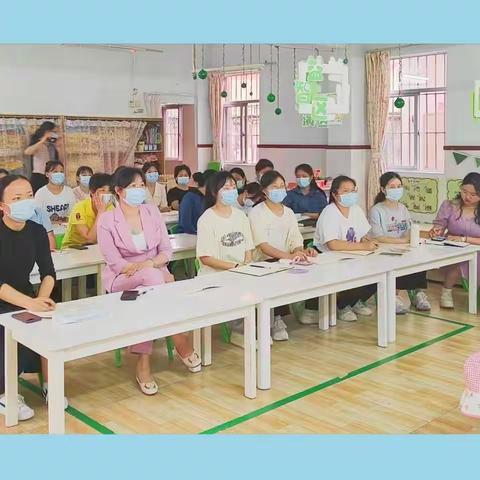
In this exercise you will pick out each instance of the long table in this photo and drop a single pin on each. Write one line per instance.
(118, 324)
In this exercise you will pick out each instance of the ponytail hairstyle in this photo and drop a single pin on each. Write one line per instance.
(305, 167)
(384, 180)
(336, 183)
(214, 184)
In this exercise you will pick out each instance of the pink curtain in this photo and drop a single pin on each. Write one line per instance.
(378, 86)
(216, 81)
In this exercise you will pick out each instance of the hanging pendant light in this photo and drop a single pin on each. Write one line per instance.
(203, 74)
(223, 93)
(278, 110)
(271, 95)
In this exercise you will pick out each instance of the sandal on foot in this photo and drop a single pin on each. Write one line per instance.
(148, 388)
(192, 362)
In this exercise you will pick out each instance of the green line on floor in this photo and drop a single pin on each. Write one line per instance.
(455, 322)
(70, 410)
(334, 381)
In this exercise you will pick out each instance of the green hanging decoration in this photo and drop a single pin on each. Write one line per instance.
(278, 111)
(194, 75)
(399, 102)
(224, 94)
(194, 55)
(203, 74)
(243, 84)
(477, 161)
(459, 157)
(345, 58)
(271, 97)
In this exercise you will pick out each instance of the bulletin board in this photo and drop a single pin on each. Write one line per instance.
(453, 188)
(420, 194)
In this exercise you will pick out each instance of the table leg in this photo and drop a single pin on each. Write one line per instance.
(382, 316)
(82, 287)
(11, 380)
(206, 346)
(332, 300)
(391, 292)
(66, 289)
(56, 393)
(249, 352)
(100, 290)
(324, 313)
(197, 341)
(263, 325)
(472, 284)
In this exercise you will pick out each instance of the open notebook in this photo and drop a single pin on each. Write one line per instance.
(260, 269)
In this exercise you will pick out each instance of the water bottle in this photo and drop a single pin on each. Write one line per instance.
(414, 235)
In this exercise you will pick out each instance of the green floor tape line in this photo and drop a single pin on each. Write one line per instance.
(439, 318)
(332, 381)
(70, 410)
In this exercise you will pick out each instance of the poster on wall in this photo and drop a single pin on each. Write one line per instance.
(453, 188)
(476, 100)
(420, 194)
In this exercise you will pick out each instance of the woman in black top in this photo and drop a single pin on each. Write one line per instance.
(22, 244)
(182, 174)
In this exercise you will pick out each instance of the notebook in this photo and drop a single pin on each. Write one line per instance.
(360, 253)
(260, 269)
(448, 243)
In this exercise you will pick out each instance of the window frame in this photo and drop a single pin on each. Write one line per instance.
(179, 158)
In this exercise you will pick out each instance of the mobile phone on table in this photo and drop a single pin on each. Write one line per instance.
(129, 295)
(79, 247)
(26, 317)
(439, 238)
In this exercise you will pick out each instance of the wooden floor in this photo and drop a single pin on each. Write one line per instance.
(415, 389)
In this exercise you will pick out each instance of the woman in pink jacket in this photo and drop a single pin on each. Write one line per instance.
(134, 241)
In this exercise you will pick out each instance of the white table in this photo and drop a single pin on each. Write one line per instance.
(120, 324)
(170, 218)
(428, 257)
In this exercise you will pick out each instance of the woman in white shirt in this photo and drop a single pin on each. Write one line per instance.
(390, 221)
(343, 226)
(276, 235)
(156, 192)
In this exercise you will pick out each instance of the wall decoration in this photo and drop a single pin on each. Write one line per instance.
(420, 194)
(453, 188)
(278, 110)
(319, 108)
(460, 157)
(271, 96)
(476, 100)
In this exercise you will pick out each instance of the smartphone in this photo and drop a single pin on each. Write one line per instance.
(129, 295)
(26, 317)
(79, 247)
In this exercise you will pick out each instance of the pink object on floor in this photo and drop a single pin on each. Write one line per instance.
(470, 401)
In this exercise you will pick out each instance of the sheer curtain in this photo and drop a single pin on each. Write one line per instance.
(216, 81)
(378, 84)
(103, 145)
(153, 104)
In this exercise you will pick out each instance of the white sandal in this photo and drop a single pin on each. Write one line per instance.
(193, 362)
(148, 388)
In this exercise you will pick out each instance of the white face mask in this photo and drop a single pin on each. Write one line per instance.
(106, 198)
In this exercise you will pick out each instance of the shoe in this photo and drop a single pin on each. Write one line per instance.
(236, 338)
(400, 308)
(279, 329)
(470, 404)
(346, 314)
(422, 303)
(446, 298)
(309, 317)
(361, 308)
(45, 396)
(192, 362)
(24, 411)
(148, 388)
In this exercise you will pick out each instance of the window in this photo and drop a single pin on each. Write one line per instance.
(241, 116)
(173, 132)
(415, 134)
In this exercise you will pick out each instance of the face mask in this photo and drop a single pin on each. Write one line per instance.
(85, 180)
(152, 177)
(303, 182)
(277, 195)
(229, 197)
(249, 203)
(240, 184)
(394, 194)
(183, 180)
(57, 178)
(22, 210)
(135, 196)
(106, 198)
(348, 199)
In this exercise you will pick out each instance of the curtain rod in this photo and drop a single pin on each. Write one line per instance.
(79, 117)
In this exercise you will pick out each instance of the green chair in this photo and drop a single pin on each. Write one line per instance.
(465, 286)
(214, 166)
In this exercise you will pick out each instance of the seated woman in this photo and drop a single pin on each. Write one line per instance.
(240, 178)
(156, 192)
(277, 236)
(182, 174)
(390, 221)
(23, 244)
(459, 220)
(343, 226)
(252, 195)
(192, 205)
(83, 176)
(134, 242)
(307, 198)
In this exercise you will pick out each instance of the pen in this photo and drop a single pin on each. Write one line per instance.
(257, 266)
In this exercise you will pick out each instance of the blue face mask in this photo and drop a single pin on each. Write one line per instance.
(22, 210)
(229, 197)
(303, 182)
(183, 180)
(57, 178)
(152, 177)
(348, 199)
(135, 196)
(85, 180)
(394, 194)
(277, 195)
